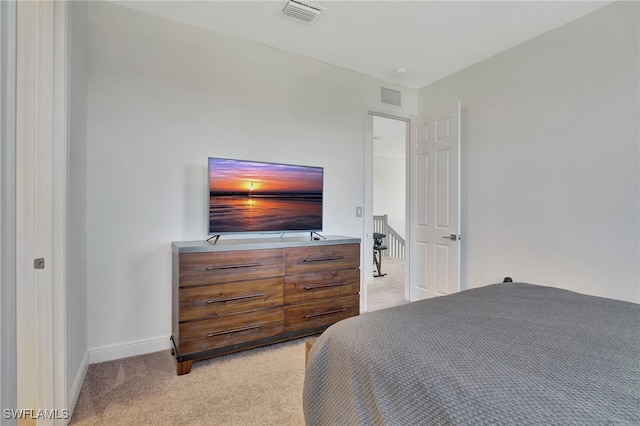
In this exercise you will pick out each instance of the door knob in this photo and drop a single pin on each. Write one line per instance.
(452, 237)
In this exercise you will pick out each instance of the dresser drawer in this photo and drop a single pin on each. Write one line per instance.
(230, 330)
(320, 312)
(230, 298)
(302, 260)
(304, 287)
(229, 266)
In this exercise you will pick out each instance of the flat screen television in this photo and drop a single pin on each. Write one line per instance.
(260, 197)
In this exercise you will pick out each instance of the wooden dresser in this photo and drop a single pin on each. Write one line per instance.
(238, 294)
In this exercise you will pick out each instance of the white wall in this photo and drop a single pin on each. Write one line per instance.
(163, 96)
(551, 157)
(389, 183)
(389, 171)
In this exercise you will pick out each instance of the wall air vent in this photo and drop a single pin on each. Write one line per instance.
(300, 11)
(390, 97)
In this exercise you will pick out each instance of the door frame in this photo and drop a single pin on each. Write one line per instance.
(8, 358)
(42, 124)
(367, 209)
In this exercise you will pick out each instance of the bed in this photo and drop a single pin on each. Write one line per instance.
(509, 353)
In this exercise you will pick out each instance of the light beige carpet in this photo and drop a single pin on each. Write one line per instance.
(388, 290)
(256, 387)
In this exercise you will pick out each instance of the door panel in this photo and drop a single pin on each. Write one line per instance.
(443, 189)
(421, 280)
(441, 262)
(422, 190)
(434, 216)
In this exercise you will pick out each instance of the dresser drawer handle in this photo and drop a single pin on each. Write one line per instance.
(229, 299)
(319, 314)
(235, 330)
(313, 287)
(323, 259)
(247, 265)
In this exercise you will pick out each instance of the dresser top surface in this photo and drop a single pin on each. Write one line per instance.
(230, 244)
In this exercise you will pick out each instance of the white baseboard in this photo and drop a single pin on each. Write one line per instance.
(124, 350)
(74, 392)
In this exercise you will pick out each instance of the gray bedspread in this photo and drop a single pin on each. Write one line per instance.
(511, 354)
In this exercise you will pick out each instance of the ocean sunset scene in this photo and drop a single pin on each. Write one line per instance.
(249, 196)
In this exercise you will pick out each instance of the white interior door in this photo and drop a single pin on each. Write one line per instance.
(434, 204)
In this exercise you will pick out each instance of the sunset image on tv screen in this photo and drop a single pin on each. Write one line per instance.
(249, 196)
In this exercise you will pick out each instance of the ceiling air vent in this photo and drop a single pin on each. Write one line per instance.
(300, 11)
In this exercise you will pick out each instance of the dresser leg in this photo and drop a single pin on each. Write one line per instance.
(184, 367)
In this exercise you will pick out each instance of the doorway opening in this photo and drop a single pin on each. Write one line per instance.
(388, 181)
